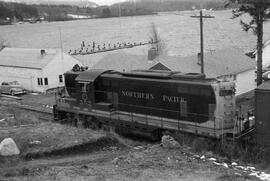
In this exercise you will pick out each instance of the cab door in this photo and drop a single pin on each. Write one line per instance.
(84, 96)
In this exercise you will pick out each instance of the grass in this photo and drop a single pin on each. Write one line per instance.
(13, 117)
(52, 136)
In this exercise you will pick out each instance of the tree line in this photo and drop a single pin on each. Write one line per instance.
(20, 11)
(180, 5)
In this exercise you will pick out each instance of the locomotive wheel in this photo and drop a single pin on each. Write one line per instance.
(68, 118)
(75, 122)
(80, 123)
(105, 127)
(156, 134)
(119, 130)
(94, 124)
(86, 122)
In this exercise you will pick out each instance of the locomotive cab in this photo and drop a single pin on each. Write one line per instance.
(88, 83)
(83, 92)
(76, 88)
(70, 83)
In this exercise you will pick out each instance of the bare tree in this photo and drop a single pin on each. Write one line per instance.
(156, 41)
(259, 10)
(2, 43)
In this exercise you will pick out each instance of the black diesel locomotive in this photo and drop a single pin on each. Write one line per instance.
(148, 102)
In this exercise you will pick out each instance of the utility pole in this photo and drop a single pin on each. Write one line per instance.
(119, 9)
(61, 44)
(201, 32)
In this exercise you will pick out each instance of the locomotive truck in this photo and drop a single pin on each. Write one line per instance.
(149, 102)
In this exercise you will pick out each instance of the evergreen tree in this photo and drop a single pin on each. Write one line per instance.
(106, 12)
(259, 10)
(3, 43)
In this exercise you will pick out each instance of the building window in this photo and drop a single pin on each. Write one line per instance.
(60, 78)
(40, 82)
(234, 77)
(46, 81)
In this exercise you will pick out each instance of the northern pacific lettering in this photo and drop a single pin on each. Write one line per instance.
(138, 95)
(149, 96)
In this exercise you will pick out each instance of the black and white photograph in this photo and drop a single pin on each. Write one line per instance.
(127, 90)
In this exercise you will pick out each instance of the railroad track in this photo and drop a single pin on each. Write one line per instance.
(46, 118)
(39, 109)
(47, 112)
(26, 126)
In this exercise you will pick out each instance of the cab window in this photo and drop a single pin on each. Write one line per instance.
(226, 92)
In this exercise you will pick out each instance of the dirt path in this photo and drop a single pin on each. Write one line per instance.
(150, 162)
(33, 166)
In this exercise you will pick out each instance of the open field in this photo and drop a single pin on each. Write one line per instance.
(179, 32)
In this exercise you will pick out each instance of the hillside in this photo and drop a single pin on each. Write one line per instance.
(176, 5)
(20, 11)
(14, 11)
(81, 3)
(142, 7)
(66, 9)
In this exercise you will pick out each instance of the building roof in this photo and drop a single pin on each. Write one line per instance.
(265, 86)
(123, 62)
(218, 63)
(26, 57)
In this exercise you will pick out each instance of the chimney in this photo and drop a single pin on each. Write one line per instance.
(42, 52)
(199, 59)
(152, 53)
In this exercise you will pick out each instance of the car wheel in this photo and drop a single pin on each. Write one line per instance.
(12, 93)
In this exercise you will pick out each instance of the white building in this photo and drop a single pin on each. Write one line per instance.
(35, 69)
(266, 55)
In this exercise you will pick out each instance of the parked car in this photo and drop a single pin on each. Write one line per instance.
(12, 88)
(266, 75)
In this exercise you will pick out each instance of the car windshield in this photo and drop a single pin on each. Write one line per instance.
(267, 74)
(14, 83)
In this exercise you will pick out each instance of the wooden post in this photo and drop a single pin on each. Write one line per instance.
(259, 21)
(201, 32)
(201, 37)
